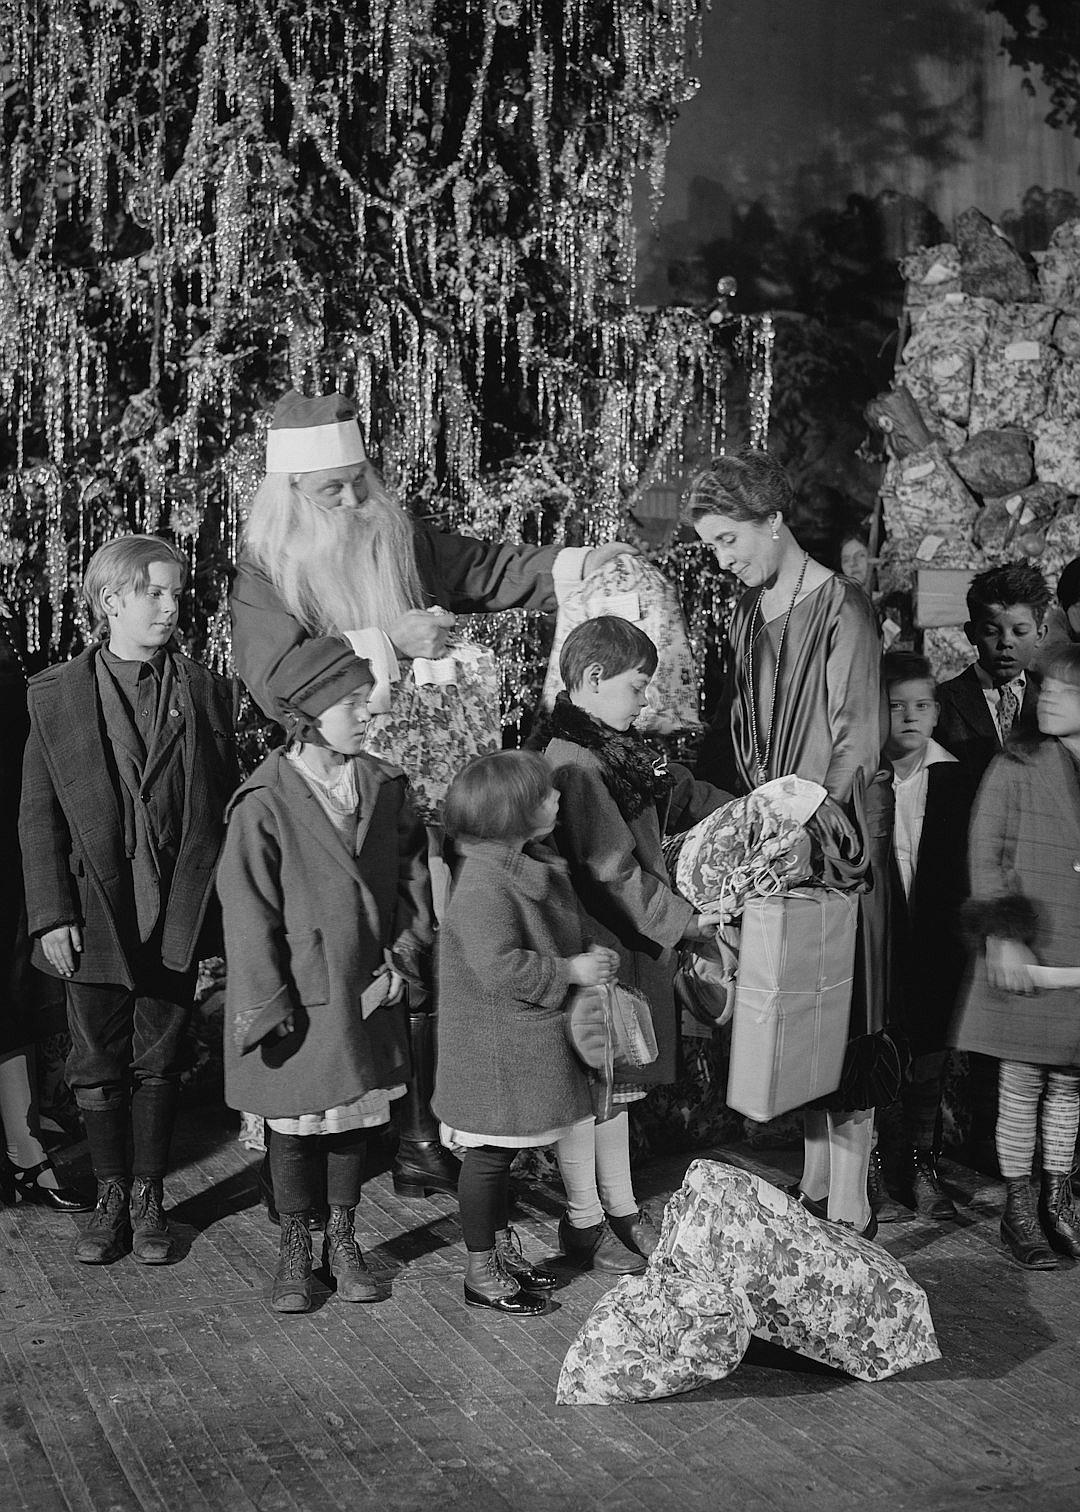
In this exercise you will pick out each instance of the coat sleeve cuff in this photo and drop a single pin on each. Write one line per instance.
(252, 1025)
(568, 570)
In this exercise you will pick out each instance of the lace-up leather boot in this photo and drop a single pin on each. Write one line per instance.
(152, 1240)
(292, 1280)
(107, 1236)
(353, 1280)
(510, 1257)
(928, 1193)
(488, 1285)
(1060, 1219)
(1020, 1231)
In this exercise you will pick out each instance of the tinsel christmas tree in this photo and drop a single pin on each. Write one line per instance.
(424, 203)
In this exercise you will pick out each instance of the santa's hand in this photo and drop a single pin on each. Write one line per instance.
(422, 632)
(599, 556)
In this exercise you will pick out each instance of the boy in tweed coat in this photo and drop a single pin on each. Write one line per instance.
(129, 763)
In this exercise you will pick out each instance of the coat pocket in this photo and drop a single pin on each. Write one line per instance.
(307, 961)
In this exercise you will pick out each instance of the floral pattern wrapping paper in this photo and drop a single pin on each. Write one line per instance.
(635, 590)
(434, 728)
(737, 1257)
(751, 847)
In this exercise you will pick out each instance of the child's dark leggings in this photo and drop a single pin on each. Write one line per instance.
(298, 1163)
(483, 1195)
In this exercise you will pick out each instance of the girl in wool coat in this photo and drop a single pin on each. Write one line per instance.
(326, 901)
(510, 949)
(1022, 1004)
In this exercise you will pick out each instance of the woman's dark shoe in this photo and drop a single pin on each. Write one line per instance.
(152, 1240)
(424, 1166)
(509, 1255)
(869, 1231)
(819, 1208)
(637, 1232)
(929, 1197)
(598, 1248)
(21, 1184)
(1058, 1214)
(352, 1279)
(292, 1281)
(1020, 1231)
(487, 1284)
(107, 1236)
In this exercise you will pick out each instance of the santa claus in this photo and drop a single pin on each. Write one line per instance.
(328, 551)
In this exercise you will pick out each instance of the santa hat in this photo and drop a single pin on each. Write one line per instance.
(308, 434)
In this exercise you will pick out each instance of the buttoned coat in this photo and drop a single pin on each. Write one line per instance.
(622, 883)
(505, 1065)
(309, 923)
(966, 727)
(71, 825)
(1025, 850)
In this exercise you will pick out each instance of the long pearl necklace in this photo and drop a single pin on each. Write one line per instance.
(761, 757)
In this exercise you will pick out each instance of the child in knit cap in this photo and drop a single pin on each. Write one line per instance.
(327, 907)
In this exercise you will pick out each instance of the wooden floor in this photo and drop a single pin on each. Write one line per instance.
(126, 1388)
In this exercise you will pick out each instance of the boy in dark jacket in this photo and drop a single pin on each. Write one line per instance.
(129, 764)
(933, 805)
(618, 797)
(989, 701)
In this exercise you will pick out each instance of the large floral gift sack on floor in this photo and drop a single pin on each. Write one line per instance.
(632, 589)
(739, 1257)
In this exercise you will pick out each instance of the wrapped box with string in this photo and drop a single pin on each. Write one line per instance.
(792, 1000)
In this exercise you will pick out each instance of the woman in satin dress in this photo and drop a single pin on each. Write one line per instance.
(805, 697)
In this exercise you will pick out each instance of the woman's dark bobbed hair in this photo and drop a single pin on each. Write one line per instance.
(742, 485)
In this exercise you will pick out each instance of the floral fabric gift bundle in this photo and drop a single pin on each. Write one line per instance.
(632, 589)
(755, 846)
(442, 713)
(739, 1258)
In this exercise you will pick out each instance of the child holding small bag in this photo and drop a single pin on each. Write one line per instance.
(510, 949)
(327, 907)
(619, 797)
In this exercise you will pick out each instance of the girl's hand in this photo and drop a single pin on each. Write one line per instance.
(596, 967)
(1008, 965)
(286, 1026)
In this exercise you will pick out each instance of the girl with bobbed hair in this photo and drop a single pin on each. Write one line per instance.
(804, 697)
(510, 950)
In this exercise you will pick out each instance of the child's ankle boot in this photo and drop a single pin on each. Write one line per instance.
(488, 1285)
(107, 1236)
(352, 1279)
(1057, 1210)
(1020, 1232)
(152, 1241)
(509, 1254)
(292, 1280)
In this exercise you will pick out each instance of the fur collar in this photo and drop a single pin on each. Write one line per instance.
(635, 775)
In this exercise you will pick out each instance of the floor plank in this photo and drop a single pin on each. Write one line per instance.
(163, 1389)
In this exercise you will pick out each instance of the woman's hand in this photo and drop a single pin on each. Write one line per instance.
(1008, 965)
(395, 987)
(422, 632)
(63, 947)
(600, 555)
(596, 967)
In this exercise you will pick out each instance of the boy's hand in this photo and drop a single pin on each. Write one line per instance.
(1008, 964)
(704, 925)
(62, 947)
(596, 967)
(395, 990)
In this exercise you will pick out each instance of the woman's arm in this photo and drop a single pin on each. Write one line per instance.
(856, 710)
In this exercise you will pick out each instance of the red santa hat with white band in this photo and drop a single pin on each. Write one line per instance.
(306, 435)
